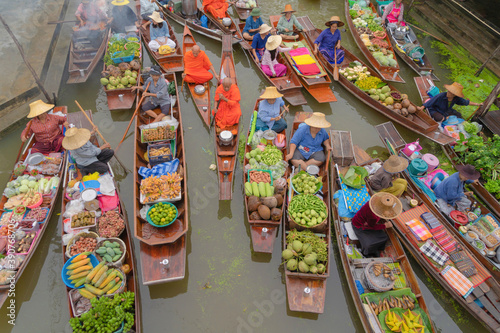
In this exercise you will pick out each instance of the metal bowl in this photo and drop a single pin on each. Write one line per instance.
(199, 89)
(226, 137)
(313, 170)
(226, 21)
(88, 194)
(35, 159)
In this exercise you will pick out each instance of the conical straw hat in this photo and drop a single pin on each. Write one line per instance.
(317, 120)
(455, 88)
(395, 164)
(385, 205)
(334, 19)
(270, 93)
(39, 107)
(120, 2)
(288, 8)
(75, 138)
(273, 42)
(156, 17)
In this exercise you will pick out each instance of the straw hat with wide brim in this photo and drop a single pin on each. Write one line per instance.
(455, 88)
(156, 17)
(264, 29)
(39, 107)
(271, 93)
(317, 120)
(395, 164)
(385, 205)
(468, 171)
(273, 42)
(74, 138)
(334, 19)
(288, 8)
(120, 2)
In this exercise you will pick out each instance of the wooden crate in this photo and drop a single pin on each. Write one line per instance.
(342, 150)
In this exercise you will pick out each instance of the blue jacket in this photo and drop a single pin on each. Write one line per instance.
(439, 103)
(451, 189)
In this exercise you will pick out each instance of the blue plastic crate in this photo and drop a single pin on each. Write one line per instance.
(120, 59)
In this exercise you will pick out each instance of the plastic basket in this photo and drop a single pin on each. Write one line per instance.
(65, 277)
(87, 226)
(118, 60)
(166, 225)
(43, 208)
(261, 170)
(161, 140)
(154, 160)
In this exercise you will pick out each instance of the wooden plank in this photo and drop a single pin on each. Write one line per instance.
(152, 257)
(263, 242)
(491, 309)
(387, 131)
(299, 300)
(342, 150)
(492, 121)
(493, 299)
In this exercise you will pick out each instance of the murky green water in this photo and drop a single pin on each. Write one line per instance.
(247, 291)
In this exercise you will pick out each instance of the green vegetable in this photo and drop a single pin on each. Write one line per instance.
(355, 176)
(252, 129)
(271, 155)
(308, 208)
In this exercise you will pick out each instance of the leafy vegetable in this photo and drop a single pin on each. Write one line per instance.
(355, 176)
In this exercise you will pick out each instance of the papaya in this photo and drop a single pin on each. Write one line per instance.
(255, 189)
(80, 269)
(85, 293)
(94, 271)
(94, 290)
(108, 279)
(79, 257)
(101, 271)
(78, 264)
(79, 275)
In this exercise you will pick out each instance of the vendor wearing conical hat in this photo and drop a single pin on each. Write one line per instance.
(45, 127)
(328, 41)
(440, 106)
(370, 222)
(306, 146)
(269, 62)
(450, 192)
(287, 23)
(252, 24)
(159, 34)
(386, 179)
(270, 115)
(122, 16)
(88, 158)
(259, 42)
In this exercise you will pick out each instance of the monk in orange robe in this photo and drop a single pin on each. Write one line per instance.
(197, 66)
(218, 8)
(229, 112)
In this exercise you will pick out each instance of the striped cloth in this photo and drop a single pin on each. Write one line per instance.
(431, 221)
(444, 239)
(419, 230)
(458, 281)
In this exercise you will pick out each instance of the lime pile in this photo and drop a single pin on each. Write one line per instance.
(162, 214)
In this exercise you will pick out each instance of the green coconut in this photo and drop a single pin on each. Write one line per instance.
(120, 86)
(287, 254)
(303, 267)
(313, 269)
(321, 268)
(104, 81)
(291, 265)
(373, 91)
(310, 260)
(132, 80)
(385, 89)
(297, 246)
(375, 97)
(306, 249)
(128, 72)
(389, 101)
(124, 81)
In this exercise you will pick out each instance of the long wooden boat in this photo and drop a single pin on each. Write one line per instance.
(393, 254)
(232, 29)
(289, 85)
(263, 232)
(307, 292)
(168, 62)
(486, 287)
(4, 289)
(421, 67)
(193, 22)
(387, 72)
(423, 84)
(318, 85)
(202, 101)
(83, 58)
(162, 250)
(121, 99)
(72, 173)
(243, 13)
(227, 155)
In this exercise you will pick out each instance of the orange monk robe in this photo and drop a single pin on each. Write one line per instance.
(229, 113)
(217, 8)
(196, 68)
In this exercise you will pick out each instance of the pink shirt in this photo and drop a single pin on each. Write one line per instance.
(266, 58)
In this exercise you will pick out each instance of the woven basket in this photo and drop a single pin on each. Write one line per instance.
(122, 286)
(90, 234)
(117, 263)
(377, 283)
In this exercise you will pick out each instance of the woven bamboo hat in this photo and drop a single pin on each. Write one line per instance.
(317, 120)
(288, 8)
(273, 42)
(75, 138)
(120, 2)
(334, 19)
(39, 107)
(455, 88)
(271, 93)
(255, 12)
(156, 17)
(385, 205)
(468, 171)
(395, 164)
(264, 29)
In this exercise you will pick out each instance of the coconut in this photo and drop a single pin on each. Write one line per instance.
(397, 106)
(123, 66)
(276, 214)
(128, 72)
(313, 270)
(264, 212)
(132, 80)
(306, 249)
(303, 267)
(253, 203)
(124, 81)
(412, 109)
(115, 71)
(287, 254)
(291, 265)
(135, 64)
(297, 245)
(405, 103)
(385, 89)
(270, 202)
(104, 81)
(398, 111)
(404, 112)
(279, 199)
(255, 216)
(310, 260)
(375, 97)
(390, 107)
(321, 268)
(404, 96)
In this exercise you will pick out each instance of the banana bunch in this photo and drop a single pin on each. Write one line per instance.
(391, 302)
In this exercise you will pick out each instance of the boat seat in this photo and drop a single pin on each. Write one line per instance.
(350, 231)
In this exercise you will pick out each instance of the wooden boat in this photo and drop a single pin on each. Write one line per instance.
(387, 72)
(5, 289)
(232, 29)
(421, 67)
(486, 288)
(193, 22)
(227, 155)
(168, 62)
(243, 13)
(83, 57)
(263, 232)
(202, 101)
(393, 253)
(423, 84)
(318, 85)
(307, 292)
(72, 172)
(288, 85)
(121, 99)
(163, 250)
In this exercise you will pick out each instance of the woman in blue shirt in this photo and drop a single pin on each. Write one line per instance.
(328, 41)
(440, 106)
(306, 146)
(269, 116)
(252, 24)
(259, 42)
(158, 33)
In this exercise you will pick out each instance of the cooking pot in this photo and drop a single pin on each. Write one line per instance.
(226, 21)
(199, 89)
(226, 137)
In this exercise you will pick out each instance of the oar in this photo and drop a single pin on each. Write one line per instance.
(439, 39)
(133, 116)
(336, 68)
(57, 22)
(98, 132)
(22, 144)
(216, 109)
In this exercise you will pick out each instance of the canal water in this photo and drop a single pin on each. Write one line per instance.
(227, 287)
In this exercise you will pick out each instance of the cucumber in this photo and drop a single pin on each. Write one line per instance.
(269, 191)
(118, 251)
(106, 243)
(110, 251)
(115, 245)
(248, 189)
(255, 189)
(108, 258)
(115, 258)
(101, 250)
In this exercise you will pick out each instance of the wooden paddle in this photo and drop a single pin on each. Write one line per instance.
(22, 143)
(439, 39)
(336, 68)
(98, 132)
(133, 116)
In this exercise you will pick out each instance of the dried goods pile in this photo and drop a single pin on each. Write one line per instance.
(164, 187)
(111, 224)
(158, 134)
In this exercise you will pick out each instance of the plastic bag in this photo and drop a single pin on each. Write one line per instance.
(12, 263)
(257, 136)
(74, 207)
(107, 185)
(144, 211)
(372, 168)
(9, 192)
